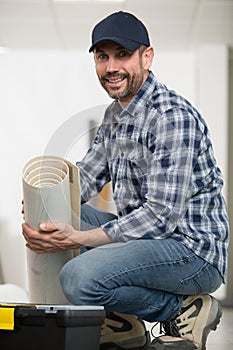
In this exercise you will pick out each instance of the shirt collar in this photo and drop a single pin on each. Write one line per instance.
(142, 98)
(140, 101)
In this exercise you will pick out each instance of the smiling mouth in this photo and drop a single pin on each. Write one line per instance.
(115, 83)
(114, 79)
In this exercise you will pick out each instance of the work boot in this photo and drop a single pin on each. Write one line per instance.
(121, 331)
(189, 330)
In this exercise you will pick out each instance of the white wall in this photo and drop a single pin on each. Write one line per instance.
(212, 98)
(40, 91)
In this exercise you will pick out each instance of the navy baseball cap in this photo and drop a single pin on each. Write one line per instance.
(123, 28)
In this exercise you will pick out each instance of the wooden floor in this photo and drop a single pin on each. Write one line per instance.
(222, 338)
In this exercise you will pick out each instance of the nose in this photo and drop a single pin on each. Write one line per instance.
(112, 65)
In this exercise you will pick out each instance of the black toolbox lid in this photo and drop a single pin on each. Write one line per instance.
(64, 315)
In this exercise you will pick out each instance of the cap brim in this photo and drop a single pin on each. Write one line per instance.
(126, 43)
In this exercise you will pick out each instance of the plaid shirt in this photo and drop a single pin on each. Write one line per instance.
(158, 155)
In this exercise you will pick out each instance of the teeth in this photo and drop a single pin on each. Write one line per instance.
(115, 80)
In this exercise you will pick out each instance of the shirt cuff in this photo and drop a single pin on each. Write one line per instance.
(111, 228)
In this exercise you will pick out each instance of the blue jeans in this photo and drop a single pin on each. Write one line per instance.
(147, 278)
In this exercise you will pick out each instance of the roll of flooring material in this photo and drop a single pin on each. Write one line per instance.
(51, 193)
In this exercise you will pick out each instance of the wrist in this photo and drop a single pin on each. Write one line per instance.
(94, 238)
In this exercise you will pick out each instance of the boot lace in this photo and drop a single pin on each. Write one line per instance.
(167, 328)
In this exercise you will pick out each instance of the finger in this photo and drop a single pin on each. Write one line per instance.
(30, 232)
(48, 226)
(33, 235)
(40, 250)
(22, 202)
(64, 229)
(25, 235)
(43, 242)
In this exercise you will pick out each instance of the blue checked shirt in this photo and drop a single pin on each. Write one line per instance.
(158, 154)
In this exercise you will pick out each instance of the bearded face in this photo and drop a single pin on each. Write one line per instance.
(120, 72)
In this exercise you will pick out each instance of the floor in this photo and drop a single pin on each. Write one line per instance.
(222, 338)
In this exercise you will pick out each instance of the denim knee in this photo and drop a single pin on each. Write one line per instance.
(70, 282)
(66, 283)
(78, 283)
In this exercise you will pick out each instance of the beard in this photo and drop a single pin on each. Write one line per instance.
(134, 82)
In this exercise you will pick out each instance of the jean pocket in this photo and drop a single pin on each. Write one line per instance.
(206, 280)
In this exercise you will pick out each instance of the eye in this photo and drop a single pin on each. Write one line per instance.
(124, 54)
(101, 57)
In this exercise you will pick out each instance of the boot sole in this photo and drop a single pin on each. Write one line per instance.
(129, 345)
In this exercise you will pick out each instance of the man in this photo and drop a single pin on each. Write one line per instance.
(166, 248)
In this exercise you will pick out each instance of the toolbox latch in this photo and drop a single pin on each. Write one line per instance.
(7, 318)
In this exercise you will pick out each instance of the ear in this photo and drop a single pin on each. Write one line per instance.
(148, 56)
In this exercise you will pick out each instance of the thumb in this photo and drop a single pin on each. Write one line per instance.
(48, 226)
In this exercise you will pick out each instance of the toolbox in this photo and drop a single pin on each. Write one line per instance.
(50, 327)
